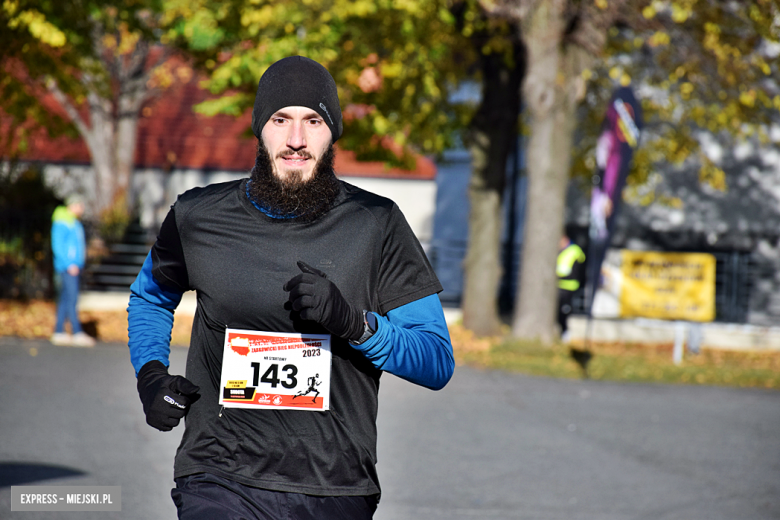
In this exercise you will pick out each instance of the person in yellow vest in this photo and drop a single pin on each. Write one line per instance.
(569, 267)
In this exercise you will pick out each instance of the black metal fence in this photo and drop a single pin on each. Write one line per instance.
(25, 255)
(735, 277)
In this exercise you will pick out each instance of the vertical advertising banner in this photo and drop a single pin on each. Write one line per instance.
(668, 286)
(614, 151)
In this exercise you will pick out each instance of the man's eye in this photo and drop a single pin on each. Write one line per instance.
(279, 120)
(315, 122)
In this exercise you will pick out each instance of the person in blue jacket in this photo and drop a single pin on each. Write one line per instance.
(69, 251)
(290, 250)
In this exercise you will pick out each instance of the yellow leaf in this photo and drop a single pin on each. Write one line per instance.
(128, 40)
(712, 175)
(109, 41)
(392, 70)
(37, 24)
(381, 125)
(659, 39)
(748, 98)
(680, 14)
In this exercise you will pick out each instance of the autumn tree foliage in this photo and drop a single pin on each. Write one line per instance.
(394, 62)
(101, 61)
(700, 68)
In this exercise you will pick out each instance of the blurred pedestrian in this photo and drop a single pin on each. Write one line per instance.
(69, 248)
(569, 270)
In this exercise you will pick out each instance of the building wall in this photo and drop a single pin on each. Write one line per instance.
(415, 197)
(451, 223)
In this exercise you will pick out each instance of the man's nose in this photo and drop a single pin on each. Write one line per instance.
(296, 139)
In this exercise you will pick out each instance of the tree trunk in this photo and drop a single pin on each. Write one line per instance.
(492, 134)
(133, 91)
(552, 89)
(114, 103)
(124, 147)
(100, 141)
(99, 138)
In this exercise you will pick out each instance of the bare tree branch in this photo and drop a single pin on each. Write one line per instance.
(98, 103)
(514, 11)
(148, 92)
(589, 24)
(73, 114)
(98, 32)
(134, 65)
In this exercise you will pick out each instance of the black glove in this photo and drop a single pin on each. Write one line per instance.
(166, 398)
(318, 299)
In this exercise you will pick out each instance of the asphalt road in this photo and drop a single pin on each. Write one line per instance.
(490, 445)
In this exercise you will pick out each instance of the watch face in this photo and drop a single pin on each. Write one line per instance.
(370, 319)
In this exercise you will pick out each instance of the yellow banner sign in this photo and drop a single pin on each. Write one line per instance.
(671, 286)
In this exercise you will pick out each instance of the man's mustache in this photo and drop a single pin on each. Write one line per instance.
(303, 154)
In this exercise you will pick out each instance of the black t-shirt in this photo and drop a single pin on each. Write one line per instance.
(237, 259)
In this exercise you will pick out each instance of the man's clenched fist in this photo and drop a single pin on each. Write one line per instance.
(165, 398)
(318, 299)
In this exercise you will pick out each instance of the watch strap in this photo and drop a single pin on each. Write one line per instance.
(369, 327)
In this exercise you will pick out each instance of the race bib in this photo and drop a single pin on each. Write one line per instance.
(275, 370)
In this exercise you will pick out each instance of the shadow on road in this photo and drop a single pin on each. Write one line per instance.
(18, 473)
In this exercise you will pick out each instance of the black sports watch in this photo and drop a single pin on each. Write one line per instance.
(369, 327)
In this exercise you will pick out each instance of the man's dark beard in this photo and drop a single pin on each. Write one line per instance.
(291, 197)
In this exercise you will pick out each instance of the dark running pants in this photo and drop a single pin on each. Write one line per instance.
(564, 308)
(208, 497)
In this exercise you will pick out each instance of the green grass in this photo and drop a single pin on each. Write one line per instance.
(624, 362)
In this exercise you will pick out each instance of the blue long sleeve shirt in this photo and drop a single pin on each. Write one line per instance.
(411, 342)
(67, 240)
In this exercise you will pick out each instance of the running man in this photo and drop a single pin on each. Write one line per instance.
(312, 381)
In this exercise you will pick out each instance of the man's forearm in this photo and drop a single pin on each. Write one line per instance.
(413, 343)
(150, 318)
(149, 332)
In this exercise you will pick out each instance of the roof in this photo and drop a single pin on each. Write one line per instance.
(172, 136)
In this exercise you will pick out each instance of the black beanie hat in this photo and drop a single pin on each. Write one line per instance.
(297, 82)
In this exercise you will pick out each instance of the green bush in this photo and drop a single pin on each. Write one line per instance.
(26, 206)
